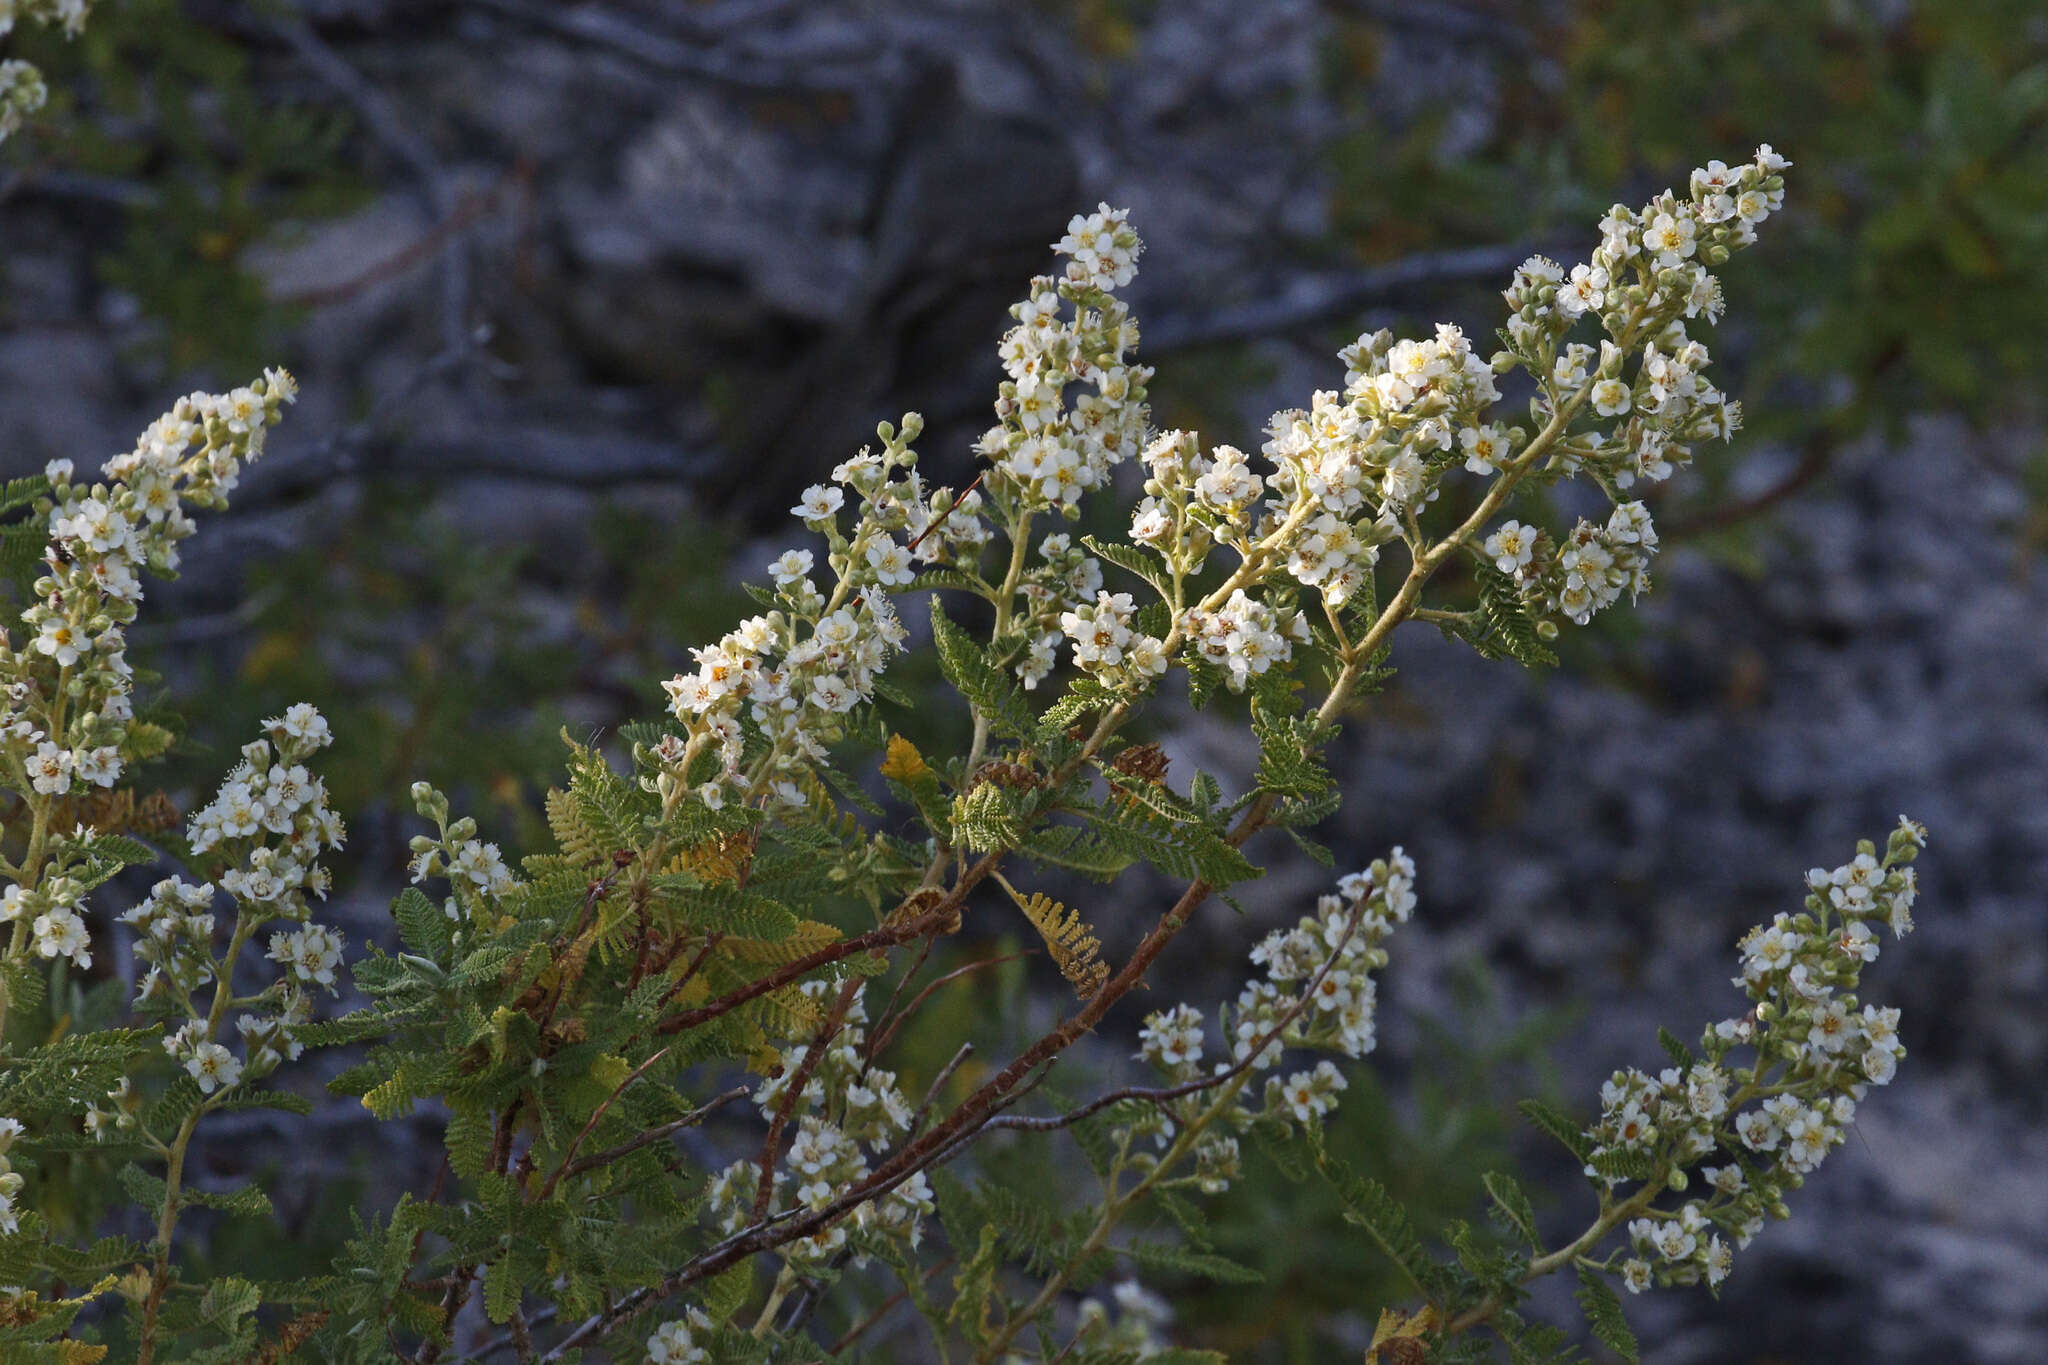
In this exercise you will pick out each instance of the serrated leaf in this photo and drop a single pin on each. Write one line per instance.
(1156, 1257)
(501, 1290)
(1365, 1203)
(1131, 560)
(1513, 1205)
(422, 925)
(1604, 1314)
(1510, 628)
(1558, 1125)
(991, 692)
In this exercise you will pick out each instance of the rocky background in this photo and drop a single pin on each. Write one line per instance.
(677, 258)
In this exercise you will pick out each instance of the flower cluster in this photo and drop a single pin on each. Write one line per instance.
(1644, 384)
(475, 869)
(1594, 567)
(1317, 974)
(1134, 1331)
(10, 1179)
(1816, 1051)
(675, 1342)
(1245, 636)
(174, 935)
(22, 91)
(1051, 454)
(51, 913)
(1107, 646)
(1315, 991)
(845, 1102)
(796, 671)
(269, 796)
(267, 827)
(66, 713)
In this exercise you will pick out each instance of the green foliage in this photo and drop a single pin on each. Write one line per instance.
(994, 696)
(709, 891)
(1557, 1125)
(1366, 1204)
(1512, 1206)
(152, 98)
(1509, 630)
(1603, 1314)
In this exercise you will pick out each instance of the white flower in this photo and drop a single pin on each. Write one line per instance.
(61, 933)
(60, 640)
(312, 953)
(49, 769)
(1586, 291)
(1671, 237)
(1831, 1029)
(890, 562)
(673, 1343)
(790, 566)
(302, 722)
(482, 864)
(214, 1067)
(1485, 448)
(1611, 398)
(1758, 1131)
(1172, 1037)
(1512, 546)
(1636, 1275)
(1720, 1260)
(819, 502)
(101, 766)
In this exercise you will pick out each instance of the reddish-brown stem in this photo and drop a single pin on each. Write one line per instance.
(793, 1090)
(465, 1275)
(711, 941)
(654, 1135)
(886, 936)
(888, 1035)
(548, 1188)
(940, 520)
(860, 1329)
(882, 1020)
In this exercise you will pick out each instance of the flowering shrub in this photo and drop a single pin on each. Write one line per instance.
(721, 904)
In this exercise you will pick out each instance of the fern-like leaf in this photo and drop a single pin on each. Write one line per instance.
(1069, 939)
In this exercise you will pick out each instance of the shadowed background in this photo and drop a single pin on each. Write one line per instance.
(580, 297)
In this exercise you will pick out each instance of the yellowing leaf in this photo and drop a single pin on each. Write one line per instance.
(1400, 1339)
(904, 763)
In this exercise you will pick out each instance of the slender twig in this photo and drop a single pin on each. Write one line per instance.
(924, 952)
(931, 1093)
(940, 519)
(793, 1089)
(1165, 1094)
(883, 937)
(654, 1135)
(887, 1036)
(860, 1329)
(539, 1317)
(568, 1157)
